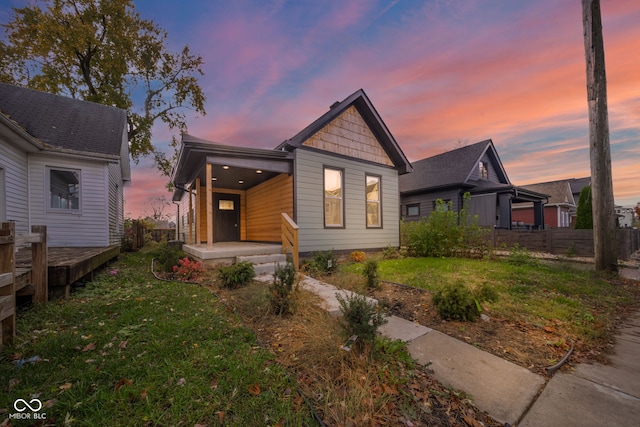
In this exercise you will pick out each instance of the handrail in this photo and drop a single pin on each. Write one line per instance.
(289, 230)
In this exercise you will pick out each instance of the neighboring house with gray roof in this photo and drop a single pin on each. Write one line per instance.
(474, 168)
(63, 164)
(560, 209)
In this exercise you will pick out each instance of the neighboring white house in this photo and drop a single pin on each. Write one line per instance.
(63, 164)
(626, 216)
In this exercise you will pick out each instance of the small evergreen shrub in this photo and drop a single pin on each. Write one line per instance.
(360, 318)
(167, 256)
(370, 273)
(456, 302)
(357, 256)
(391, 252)
(282, 288)
(324, 262)
(236, 275)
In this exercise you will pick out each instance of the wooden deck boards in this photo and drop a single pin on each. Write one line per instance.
(68, 265)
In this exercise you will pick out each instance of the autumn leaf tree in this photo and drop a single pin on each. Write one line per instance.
(103, 51)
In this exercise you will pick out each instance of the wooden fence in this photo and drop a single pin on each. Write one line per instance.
(564, 241)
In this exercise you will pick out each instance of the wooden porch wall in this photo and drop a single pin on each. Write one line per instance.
(564, 241)
(202, 216)
(349, 135)
(265, 204)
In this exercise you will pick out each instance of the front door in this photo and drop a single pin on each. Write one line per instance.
(226, 217)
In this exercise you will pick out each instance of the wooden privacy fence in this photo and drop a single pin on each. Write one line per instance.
(564, 241)
(31, 281)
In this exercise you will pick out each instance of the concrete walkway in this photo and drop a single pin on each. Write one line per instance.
(596, 395)
(592, 395)
(502, 389)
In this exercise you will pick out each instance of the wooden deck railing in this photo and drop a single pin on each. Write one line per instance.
(11, 283)
(290, 239)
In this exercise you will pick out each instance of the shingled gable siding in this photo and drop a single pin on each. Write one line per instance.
(313, 236)
(87, 228)
(14, 164)
(349, 135)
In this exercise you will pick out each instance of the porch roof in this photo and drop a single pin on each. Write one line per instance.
(235, 167)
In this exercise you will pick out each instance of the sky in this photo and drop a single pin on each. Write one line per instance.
(439, 72)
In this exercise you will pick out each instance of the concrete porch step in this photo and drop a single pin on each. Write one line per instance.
(264, 264)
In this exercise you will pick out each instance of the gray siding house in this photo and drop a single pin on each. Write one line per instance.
(63, 164)
(337, 179)
(476, 169)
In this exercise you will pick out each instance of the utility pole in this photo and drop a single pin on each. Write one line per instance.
(604, 223)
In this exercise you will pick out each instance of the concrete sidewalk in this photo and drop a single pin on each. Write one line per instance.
(596, 395)
(500, 388)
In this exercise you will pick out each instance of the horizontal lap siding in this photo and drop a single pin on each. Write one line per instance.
(265, 204)
(89, 227)
(14, 164)
(116, 202)
(426, 201)
(355, 235)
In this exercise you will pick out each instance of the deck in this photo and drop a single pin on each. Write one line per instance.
(66, 265)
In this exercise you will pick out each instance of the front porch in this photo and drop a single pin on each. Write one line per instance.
(225, 253)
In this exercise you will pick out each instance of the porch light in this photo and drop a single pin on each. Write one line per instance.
(214, 179)
(241, 182)
(258, 171)
(225, 167)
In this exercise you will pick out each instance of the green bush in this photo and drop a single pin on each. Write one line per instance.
(360, 318)
(324, 262)
(167, 256)
(584, 214)
(391, 252)
(445, 233)
(520, 256)
(236, 275)
(456, 302)
(370, 273)
(281, 289)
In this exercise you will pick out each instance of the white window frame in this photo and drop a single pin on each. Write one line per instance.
(47, 190)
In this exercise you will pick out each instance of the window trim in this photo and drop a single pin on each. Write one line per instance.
(483, 170)
(47, 189)
(413, 205)
(379, 201)
(324, 197)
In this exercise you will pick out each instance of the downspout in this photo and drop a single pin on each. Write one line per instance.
(177, 221)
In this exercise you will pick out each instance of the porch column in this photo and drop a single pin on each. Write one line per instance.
(209, 177)
(198, 212)
(190, 217)
(538, 215)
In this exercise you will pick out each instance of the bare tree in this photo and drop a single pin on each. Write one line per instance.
(604, 220)
(157, 204)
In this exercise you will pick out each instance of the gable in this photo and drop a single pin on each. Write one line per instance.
(349, 135)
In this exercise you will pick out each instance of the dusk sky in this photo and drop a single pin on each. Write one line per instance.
(437, 71)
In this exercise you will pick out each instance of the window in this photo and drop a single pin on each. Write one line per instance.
(483, 170)
(333, 198)
(413, 210)
(64, 189)
(374, 213)
(442, 205)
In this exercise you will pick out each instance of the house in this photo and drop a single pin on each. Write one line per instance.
(337, 180)
(476, 169)
(63, 164)
(560, 209)
(626, 216)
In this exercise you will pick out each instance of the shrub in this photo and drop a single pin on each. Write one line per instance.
(370, 273)
(391, 252)
(360, 318)
(167, 256)
(456, 302)
(486, 292)
(357, 256)
(584, 214)
(520, 256)
(236, 275)
(282, 289)
(324, 262)
(187, 269)
(445, 233)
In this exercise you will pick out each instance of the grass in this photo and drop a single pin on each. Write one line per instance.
(132, 350)
(528, 290)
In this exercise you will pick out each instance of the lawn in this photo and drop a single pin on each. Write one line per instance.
(129, 349)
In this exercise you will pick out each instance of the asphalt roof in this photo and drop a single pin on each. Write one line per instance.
(65, 123)
(451, 168)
